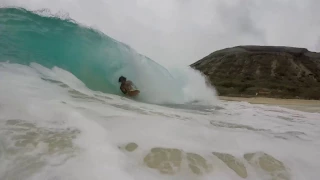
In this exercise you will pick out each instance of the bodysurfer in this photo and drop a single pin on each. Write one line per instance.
(127, 87)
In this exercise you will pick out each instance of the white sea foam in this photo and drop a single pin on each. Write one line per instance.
(59, 129)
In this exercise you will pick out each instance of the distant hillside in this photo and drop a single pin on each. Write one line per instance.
(269, 71)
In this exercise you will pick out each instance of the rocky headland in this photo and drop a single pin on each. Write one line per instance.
(268, 71)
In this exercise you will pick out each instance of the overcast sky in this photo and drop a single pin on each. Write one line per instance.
(180, 32)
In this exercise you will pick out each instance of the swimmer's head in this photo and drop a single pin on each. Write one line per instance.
(122, 79)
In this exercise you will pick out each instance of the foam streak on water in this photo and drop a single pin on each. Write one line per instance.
(53, 127)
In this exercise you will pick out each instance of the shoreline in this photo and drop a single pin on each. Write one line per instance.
(312, 106)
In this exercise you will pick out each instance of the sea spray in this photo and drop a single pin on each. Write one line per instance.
(195, 86)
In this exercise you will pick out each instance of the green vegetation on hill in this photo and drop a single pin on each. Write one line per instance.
(268, 71)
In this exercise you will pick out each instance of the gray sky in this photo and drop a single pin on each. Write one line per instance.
(180, 32)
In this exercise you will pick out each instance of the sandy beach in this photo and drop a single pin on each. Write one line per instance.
(296, 104)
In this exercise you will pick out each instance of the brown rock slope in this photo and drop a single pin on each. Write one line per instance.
(270, 71)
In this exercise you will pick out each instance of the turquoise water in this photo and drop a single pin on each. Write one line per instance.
(93, 57)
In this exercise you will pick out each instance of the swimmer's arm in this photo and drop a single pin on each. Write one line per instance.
(123, 89)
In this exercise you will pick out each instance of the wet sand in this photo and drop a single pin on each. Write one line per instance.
(296, 104)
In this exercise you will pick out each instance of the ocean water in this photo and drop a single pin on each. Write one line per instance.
(62, 115)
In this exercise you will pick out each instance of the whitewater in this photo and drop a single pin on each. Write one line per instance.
(62, 115)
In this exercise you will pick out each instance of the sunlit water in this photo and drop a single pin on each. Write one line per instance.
(53, 127)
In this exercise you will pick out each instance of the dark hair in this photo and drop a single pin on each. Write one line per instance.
(122, 78)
